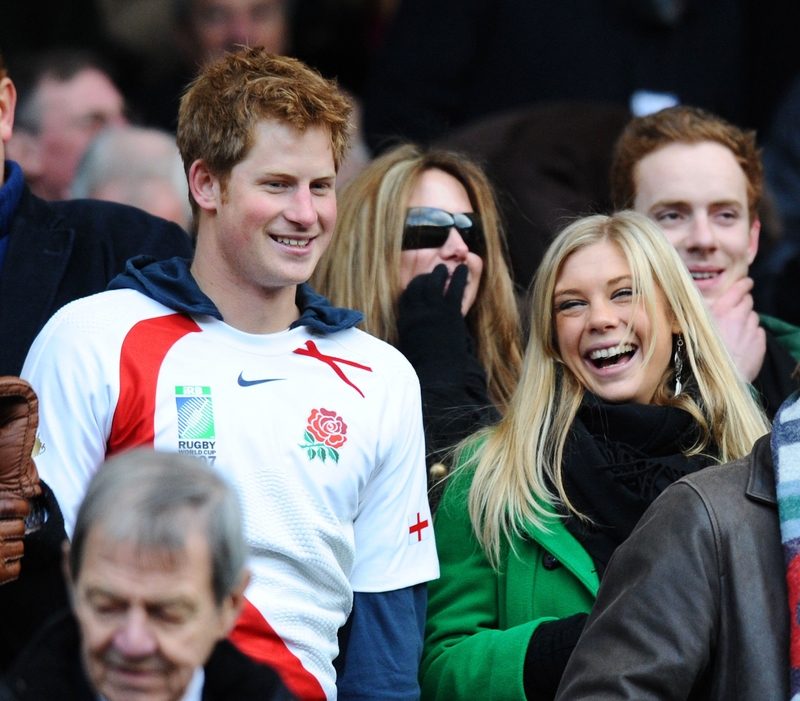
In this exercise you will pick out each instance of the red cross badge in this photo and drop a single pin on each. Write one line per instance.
(419, 528)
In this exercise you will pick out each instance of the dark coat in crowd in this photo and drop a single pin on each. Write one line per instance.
(694, 604)
(39, 591)
(61, 251)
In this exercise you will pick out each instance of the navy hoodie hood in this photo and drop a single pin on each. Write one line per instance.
(170, 283)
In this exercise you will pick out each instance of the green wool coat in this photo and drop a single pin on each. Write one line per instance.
(480, 620)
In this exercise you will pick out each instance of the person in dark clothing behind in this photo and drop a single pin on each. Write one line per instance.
(52, 253)
(419, 249)
(32, 584)
(548, 164)
(700, 179)
(157, 571)
(781, 158)
(446, 63)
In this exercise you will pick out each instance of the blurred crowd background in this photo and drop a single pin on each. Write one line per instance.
(536, 91)
(735, 57)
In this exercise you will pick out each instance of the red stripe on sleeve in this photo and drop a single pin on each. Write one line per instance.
(143, 352)
(258, 639)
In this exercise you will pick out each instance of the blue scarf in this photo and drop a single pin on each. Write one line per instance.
(10, 194)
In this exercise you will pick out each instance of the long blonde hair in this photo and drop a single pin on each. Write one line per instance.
(523, 455)
(361, 268)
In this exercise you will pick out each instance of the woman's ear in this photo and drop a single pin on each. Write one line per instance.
(675, 327)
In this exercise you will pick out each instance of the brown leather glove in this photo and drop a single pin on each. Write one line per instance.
(19, 480)
(13, 511)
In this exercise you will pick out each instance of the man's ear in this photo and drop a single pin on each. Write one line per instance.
(8, 102)
(204, 186)
(752, 247)
(233, 604)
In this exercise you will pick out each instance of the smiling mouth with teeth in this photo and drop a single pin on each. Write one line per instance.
(299, 243)
(704, 275)
(605, 357)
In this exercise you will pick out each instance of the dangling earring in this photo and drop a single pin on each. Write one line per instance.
(678, 365)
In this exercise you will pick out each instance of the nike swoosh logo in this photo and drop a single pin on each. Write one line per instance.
(249, 383)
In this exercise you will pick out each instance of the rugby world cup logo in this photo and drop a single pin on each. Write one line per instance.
(195, 413)
(196, 432)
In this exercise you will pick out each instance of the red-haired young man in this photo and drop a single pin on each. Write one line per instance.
(232, 357)
(700, 179)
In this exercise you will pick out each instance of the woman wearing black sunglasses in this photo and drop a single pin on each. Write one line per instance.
(418, 248)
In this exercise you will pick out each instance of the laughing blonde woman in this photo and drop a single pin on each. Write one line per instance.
(625, 387)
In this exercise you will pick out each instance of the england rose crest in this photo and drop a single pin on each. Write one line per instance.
(325, 433)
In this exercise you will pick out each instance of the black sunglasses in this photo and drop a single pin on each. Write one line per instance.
(429, 227)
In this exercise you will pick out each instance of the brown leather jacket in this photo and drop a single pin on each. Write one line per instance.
(694, 604)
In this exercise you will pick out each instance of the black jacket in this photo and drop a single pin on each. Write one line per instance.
(39, 591)
(50, 670)
(61, 251)
(694, 604)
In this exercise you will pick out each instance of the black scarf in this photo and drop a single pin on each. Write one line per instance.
(618, 458)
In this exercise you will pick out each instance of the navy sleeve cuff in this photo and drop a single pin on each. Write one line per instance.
(380, 646)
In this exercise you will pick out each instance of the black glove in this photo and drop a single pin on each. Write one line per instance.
(431, 329)
(433, 335)
(549, 651)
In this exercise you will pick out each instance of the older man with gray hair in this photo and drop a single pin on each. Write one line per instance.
(157, 572)
(138, 167)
